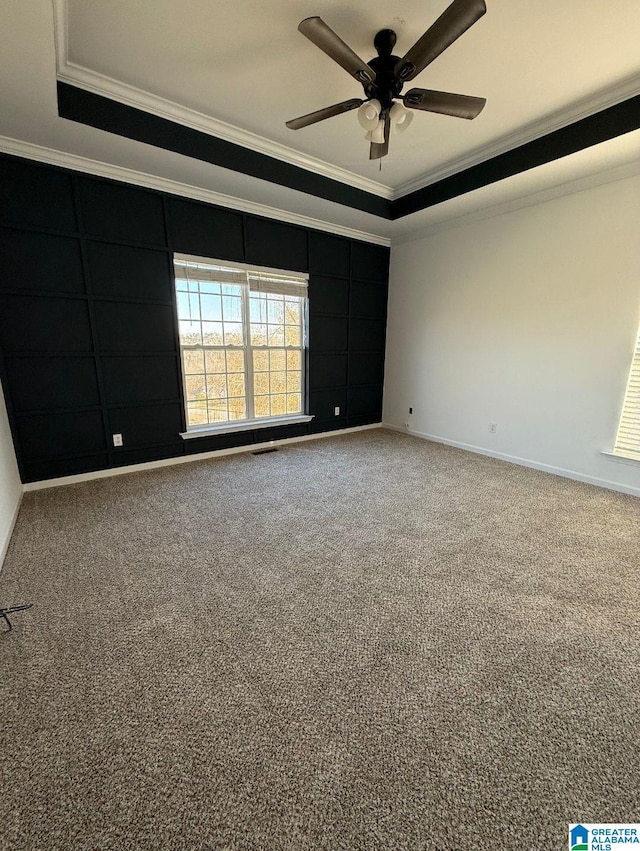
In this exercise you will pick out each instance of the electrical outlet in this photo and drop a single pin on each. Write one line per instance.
(336, 411)
(493, 427)
(117, 440)
(407, 422)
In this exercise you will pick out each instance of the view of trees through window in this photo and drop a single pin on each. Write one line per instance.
(242, 338)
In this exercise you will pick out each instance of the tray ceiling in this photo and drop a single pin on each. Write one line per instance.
(238, 73)
(241, 72)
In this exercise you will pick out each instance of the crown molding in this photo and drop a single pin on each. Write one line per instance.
(611, 96)
(129, 96)
(530, 199)
(27, 150)
(101, 84)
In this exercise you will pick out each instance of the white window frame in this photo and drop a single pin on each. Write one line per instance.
(251, 422)
(627, 445)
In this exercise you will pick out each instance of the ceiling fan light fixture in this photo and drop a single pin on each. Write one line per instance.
(369, 114)
(400, 117)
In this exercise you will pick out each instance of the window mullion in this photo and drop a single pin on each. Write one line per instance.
(304, 343)
(204, 357)
(248, 351)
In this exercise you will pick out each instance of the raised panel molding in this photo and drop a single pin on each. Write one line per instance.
(86, 165)
(102, 358)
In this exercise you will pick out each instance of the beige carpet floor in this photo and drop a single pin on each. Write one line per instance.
(363, 642)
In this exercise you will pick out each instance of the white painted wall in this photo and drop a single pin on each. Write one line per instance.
(528, 320)
(10, 485)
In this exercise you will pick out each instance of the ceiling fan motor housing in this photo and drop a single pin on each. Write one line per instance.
(386, 85)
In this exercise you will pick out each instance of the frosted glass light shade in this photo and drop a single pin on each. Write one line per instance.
(400, 117)
(369, 113)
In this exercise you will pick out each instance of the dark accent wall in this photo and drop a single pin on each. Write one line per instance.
(88, 330)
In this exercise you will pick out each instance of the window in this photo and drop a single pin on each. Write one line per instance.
(242, 342)
(628, 437)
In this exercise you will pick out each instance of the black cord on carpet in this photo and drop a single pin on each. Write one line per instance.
(4, 613)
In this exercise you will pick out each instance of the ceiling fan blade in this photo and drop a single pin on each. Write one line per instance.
(324, 37)
(379, 150)
(321, 114)
(451, 24)
(460, 106)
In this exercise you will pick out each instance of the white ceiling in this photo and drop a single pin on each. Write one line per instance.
(245, 63)
(242, 69)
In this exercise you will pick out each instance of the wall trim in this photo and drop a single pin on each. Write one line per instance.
(4, 545)
(84, 107)
(610, 455)
(186, 459)
(583, 108)
(101, 84)
(112, 116)
(92, 81)
(51, 156)
(614, 121)
(522, 462)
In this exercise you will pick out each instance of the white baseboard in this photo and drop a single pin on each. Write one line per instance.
(186, 459)
(4, 545)
(523, 462)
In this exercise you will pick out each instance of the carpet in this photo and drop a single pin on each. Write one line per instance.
(363, 642)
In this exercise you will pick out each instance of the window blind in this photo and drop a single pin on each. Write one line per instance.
(271, 281)
(628, 438)
(209, 274)
(277, 284)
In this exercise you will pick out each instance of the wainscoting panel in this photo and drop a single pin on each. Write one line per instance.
(88, 333)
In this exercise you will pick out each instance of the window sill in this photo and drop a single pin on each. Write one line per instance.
(244, 425)
(625, 459)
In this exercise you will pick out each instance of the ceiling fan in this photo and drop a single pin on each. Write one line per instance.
(384, 76)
